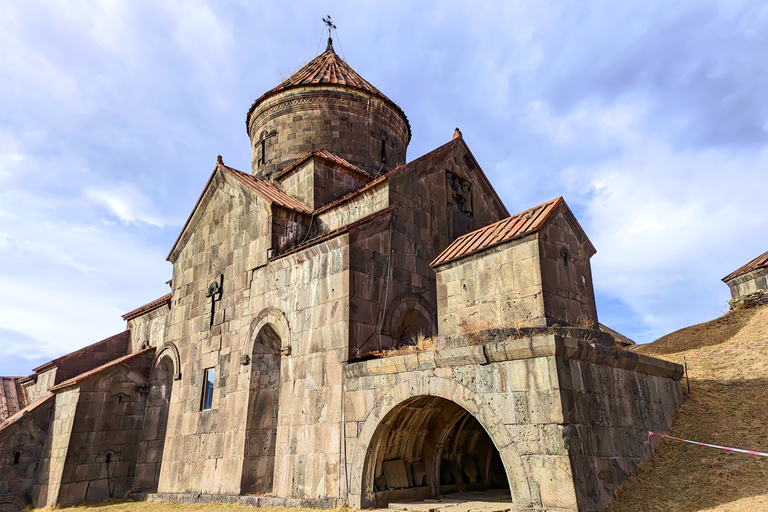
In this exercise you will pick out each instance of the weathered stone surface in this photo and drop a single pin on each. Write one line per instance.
(263, 378)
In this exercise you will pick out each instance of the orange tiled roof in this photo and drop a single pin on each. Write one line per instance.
(80, 378)
(150, 306)
(328, 156)
(326, 69)
(516, 226)
(759, 262)
(266, 190)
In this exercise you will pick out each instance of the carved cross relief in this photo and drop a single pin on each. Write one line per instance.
(263, 142)
(458, 192)
(214, 293)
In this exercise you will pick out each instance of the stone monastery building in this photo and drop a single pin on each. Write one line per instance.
(344, 327)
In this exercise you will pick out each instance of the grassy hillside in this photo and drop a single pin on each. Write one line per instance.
(728, 405)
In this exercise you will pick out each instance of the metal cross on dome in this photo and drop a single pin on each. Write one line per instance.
(329, 23)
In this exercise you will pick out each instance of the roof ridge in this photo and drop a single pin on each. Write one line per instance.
(85, 375)
(509, 228)
(149, 306)
(328, 68)
(754, 264)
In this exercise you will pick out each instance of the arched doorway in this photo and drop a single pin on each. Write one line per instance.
(408, 317)
(150, 454)
(428, 447)
(263, 400)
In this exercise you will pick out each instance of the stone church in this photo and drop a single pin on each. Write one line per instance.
(347, 327)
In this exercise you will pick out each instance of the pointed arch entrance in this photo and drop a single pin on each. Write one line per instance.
(263, 400)
(150, 452)
(427, 447)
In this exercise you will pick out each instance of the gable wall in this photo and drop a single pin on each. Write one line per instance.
(148, 330)
(108, 418)
(569, 298)
(498, 287)
(203, 449)
(28, 436)
(425, 225)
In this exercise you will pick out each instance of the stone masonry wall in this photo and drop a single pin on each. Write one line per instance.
(749, 283)
(101, 457)
(423, 226)
(499, 287)
(148, 330)
(91, 357)
(46, 490)
(11, 397)
(609, 410)
(316, 182)
(203, 451)
(310, 290)
(37, 388)
(27, 437)
(524, 393)
(566, 274)
(349, 123)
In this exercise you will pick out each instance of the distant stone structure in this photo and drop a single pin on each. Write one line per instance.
(749, 284)
(344, 327)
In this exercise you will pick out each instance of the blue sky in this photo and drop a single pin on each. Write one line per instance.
(650, 117)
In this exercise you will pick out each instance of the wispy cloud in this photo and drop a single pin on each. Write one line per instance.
(649, 117)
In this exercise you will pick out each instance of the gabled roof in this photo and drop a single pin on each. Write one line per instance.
(516, 226)
(456, 141)
(328, 157)
(25, 411)
(165, 300)
(77, 352)
(99, 369)
(759, 262)
(327, 69)
(266, 190)
(258, 186)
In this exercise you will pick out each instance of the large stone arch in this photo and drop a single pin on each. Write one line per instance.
(169, 350)
(462, 396)
(279, 322)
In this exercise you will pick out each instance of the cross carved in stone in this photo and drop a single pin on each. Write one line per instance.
(214, 292)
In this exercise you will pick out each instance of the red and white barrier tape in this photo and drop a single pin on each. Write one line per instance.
(750, 452)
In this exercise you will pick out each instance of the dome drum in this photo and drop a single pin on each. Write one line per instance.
(360, 127)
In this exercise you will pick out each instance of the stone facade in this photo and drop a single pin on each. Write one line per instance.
(749, 284)
(344, 328)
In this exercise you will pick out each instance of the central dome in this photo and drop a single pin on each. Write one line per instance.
(327, 105)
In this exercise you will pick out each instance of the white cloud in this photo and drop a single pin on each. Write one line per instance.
(4, 237)
(126, 203)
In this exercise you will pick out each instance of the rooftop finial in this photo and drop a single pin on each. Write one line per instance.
(329, 23)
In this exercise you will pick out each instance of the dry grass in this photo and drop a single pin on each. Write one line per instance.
(419, 343)
(728, 405)
(150, 506)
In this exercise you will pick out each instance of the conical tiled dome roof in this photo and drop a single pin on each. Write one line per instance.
(326, 69)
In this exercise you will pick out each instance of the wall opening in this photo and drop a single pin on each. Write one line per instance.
(428, 447)
(412, 323)
(152, 441)
(261, 426)
(16, 457)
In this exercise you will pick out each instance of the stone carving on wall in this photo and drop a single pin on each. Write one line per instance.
(458, 193)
